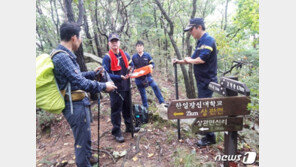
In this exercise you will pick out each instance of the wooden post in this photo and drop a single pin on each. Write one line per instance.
(230, 138)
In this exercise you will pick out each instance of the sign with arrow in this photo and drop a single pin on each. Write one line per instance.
(217, 124)
(217, 88)
(208, 107)
(234, 85)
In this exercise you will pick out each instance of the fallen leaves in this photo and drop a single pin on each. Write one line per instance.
(135, 158)
(117, 154)
(150, 155)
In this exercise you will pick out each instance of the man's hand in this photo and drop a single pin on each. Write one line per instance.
(110, 86)
(125, 77)
(129, 69)
(151, 66)
(175, 61)
(98, 68)
(187, 59)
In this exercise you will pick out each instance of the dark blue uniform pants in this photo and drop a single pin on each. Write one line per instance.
(80, 124)
(142, 90)
(119, 106)
(204, 92)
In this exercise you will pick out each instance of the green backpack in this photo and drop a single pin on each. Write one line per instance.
(48, 95)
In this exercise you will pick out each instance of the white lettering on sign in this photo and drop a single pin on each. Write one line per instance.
(219, 103)
(206, 103)
(209, 104)
(210, 122)
(198, 104)
(178, 105)
(189, 113)
(240, 88)
(192, 105)
(185, 105)
(213, 103)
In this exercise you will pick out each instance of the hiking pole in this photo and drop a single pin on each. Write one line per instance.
(177, 97)
(131, 110)
(131, 106)
(99, 110)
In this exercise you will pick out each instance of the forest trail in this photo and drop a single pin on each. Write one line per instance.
(155, 145)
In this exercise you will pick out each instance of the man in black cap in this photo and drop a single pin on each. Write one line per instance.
(118, 64)
(204, 60)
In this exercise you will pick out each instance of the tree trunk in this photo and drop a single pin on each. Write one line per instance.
(189, 53)
(86, 29)
(69, 10)
(70, 16)
(80, 58)
(173, 42)
(226, 7)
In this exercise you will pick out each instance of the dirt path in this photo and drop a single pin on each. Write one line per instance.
(155, 145)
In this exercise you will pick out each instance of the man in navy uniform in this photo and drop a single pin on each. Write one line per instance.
(204, 59)
(118, 64)
(67, 72)
(142, 59)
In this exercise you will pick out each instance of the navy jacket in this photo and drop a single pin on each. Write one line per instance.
(206, 49)
(121, 84)
(141, 61)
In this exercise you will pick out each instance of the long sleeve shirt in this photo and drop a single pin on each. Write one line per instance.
(66, 69)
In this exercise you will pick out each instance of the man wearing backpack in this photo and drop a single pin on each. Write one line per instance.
(66, 70)
(118, 64)
(142, 59)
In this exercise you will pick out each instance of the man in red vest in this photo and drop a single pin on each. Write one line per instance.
(118, 64)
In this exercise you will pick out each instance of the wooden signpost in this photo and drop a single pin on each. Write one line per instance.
(235, 86)
(208, 107)
(216, 114)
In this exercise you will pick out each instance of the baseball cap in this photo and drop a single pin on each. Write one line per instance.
(193, 22)
(113, 36)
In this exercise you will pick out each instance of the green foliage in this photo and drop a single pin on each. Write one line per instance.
(247, 19)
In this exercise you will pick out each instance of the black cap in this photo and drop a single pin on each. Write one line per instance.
(113, 36)
(193, 22)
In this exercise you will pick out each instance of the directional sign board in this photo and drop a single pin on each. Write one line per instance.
(217, 88)
(208, 107)
(235, 85)
(217, 124)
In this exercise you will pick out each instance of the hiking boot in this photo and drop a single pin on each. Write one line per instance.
(136, 129)
(93, 160)
(119, 138)
(206, 142)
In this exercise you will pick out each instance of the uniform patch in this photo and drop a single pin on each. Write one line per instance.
(205, 47)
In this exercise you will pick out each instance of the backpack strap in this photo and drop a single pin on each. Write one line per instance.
(56, 51)
(70, 96)
(68, 87)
